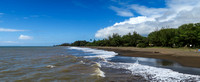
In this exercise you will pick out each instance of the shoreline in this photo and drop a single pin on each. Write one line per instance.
(185, 57)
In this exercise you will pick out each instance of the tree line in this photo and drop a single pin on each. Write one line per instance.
(187, 35)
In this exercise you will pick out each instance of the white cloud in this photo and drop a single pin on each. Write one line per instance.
(31, 16)
(176, 13)
(122, 12)
(148, 11)
(25, 37)
(9, 30)
(123, 28)
(10, 42)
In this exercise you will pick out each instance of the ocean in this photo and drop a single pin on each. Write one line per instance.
(76, 64)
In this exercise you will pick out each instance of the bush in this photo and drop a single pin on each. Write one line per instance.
(142, 45)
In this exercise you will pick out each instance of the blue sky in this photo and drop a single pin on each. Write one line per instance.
(49, 22)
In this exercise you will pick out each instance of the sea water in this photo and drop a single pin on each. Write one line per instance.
(75, 64)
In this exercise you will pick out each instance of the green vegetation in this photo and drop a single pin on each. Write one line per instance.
(187, 35)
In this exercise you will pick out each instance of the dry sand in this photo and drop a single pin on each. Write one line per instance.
(185, 57)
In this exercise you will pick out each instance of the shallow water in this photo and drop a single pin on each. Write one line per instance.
(44, 64)
(88, 65)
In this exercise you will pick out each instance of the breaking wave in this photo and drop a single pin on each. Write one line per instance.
(97, 53)
(148, 72)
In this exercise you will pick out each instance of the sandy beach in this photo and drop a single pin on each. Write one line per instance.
(185, 57)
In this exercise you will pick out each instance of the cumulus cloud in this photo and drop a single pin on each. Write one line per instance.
(122, 12)
(176, 13)
(126, 26)
(9, 30)
(25, 37)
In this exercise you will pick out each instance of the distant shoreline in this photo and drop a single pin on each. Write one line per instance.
(185, 57)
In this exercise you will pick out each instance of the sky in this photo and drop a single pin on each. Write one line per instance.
(51, 22)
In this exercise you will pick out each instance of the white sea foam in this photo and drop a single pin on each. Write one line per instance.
(50, 66)
(98, 53)
(150, 73)
(154, 73)
(96, 64)
(100, 73)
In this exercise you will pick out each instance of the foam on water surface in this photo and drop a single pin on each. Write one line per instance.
(98, 72)
(98, 53)
(50, 66)
(154, 73)
(148, 72)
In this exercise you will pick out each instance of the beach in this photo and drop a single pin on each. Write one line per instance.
(185, 57)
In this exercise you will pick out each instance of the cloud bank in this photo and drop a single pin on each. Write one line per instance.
(9, 30)
(25, 37)
(176, 13)
(10, 42)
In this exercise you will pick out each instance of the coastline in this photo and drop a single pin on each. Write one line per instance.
(185, 57)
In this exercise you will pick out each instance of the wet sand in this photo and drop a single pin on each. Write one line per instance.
(185, 57)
